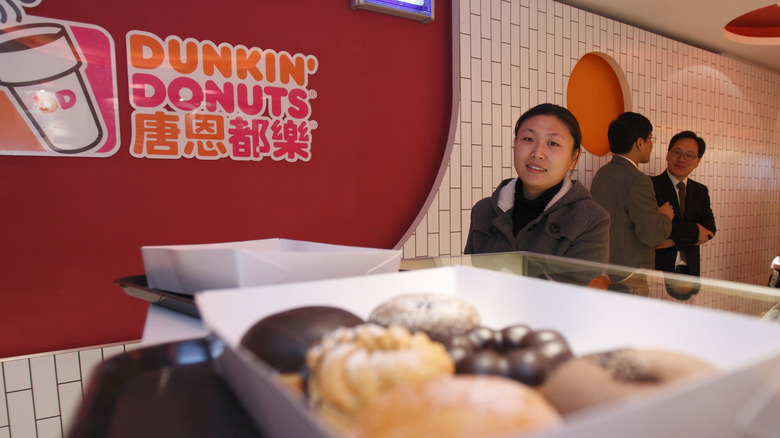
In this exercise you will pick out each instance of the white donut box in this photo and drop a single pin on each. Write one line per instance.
(742, 401)
(188, 269)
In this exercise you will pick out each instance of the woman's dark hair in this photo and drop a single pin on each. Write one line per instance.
(561, 113)
(626, 130)
(688, 134)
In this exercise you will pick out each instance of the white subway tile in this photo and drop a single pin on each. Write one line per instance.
(3, 404)
(433, 218)
(21, 414)
(50, 428)
(409, 251)
(433, 245)
(68, 368)
(110, 352)
(17, 375)
(421, 243)
(44, 386)
(71, 399)
(88, 361)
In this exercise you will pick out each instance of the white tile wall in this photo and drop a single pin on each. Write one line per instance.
(516, 54)
(40, 395)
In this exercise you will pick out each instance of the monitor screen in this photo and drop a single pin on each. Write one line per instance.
(420, 10)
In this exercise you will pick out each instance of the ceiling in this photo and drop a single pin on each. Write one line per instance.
(696, 22)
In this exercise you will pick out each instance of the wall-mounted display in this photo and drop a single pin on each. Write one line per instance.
(421, 10)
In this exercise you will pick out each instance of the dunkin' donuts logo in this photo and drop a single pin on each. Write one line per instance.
(198, 99)
(57, 88)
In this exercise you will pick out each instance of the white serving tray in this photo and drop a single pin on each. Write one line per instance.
(745, 349)
(189, 269)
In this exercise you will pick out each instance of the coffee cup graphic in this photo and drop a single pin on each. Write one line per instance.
(41, 68)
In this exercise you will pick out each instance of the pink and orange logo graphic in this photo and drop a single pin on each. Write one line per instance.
(57, 89)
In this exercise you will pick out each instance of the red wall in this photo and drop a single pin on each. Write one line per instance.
(70, 226)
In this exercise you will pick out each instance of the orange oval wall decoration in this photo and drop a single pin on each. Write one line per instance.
(597, 93)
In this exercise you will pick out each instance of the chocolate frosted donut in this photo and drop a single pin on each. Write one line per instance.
(281, 339)
(598, 378)
(441, 316)
(517, 352)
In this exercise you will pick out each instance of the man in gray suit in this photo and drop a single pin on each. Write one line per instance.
(637, 224)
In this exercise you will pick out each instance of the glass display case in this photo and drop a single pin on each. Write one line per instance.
(118, 403)
(759, 301)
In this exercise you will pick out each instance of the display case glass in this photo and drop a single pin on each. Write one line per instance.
(759, 301)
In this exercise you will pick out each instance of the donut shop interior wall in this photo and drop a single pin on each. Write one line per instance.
(192, 111)
(375, 91)
(383, 92)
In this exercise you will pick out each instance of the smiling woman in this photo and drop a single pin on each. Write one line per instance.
(542, 210)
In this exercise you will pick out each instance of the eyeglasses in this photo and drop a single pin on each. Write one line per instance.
(676, 153)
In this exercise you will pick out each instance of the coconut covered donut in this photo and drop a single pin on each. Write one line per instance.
(350, 367)
(441, 316)
(602, 377)
(456, 407)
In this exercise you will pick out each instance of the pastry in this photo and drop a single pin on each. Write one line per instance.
(281, 339)
(517, 352)
(350, 367)
(456, 407)
(441, 316)
(602, 377)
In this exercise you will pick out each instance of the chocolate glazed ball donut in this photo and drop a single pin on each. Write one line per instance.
(602, 377)
(517, 352)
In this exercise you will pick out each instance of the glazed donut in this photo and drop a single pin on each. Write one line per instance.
(441, 316)
(603, 377)
(460, 406)
(350, 367)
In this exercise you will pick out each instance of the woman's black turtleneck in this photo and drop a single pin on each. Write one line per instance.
(527, 210)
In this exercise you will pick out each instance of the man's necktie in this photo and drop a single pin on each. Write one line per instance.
(681, 193)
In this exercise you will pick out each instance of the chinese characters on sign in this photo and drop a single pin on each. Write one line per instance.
(196, 99)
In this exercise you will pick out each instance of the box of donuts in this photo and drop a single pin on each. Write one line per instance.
(465, 352)
(187, 269)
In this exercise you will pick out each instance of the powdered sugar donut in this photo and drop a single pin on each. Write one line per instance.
(441, 316)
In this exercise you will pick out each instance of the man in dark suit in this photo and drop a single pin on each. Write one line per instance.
(637, 224)
(693, 223)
